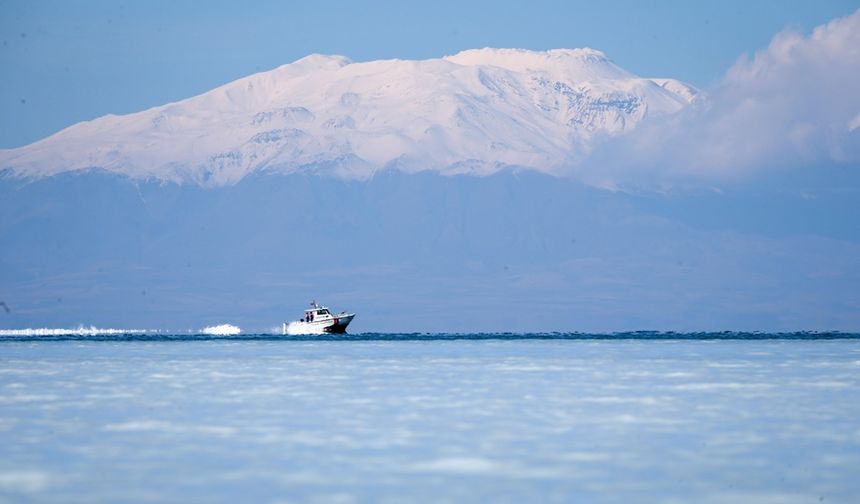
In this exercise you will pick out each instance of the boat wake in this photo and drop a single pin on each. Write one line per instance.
(80, 331)
(222, 330)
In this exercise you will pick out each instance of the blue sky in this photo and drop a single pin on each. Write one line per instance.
(65, 62)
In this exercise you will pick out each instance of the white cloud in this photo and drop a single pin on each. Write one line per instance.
(853, 124)
(793, 104)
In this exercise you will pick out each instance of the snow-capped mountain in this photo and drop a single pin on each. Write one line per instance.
(475, 112)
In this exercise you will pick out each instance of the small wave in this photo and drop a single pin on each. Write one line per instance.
(221, 330)
(80, 331)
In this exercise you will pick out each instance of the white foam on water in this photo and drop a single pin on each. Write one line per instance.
(80, 331)
(458, 465)
(23, 481)
(221, 330)
(162, 426)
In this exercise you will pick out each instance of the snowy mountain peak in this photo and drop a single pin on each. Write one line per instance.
(309, 64)
(524, 59)
(571, 64)
(321, 61)
(474, 112)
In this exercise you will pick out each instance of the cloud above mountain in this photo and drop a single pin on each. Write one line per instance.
(791, 105)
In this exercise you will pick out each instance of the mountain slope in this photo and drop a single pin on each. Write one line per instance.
(474, 112)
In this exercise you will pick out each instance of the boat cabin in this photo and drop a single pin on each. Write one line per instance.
(317, 313)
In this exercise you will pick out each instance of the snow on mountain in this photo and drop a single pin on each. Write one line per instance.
(475, 112)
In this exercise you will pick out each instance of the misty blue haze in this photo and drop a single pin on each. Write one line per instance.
(515, 251)
(388, 418)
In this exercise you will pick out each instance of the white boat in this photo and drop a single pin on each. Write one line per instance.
(319, 320)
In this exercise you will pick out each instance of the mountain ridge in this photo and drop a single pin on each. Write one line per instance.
(474, 112)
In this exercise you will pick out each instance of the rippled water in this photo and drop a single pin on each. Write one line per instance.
(504, 418)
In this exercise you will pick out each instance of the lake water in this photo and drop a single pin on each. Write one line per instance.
(430, 418)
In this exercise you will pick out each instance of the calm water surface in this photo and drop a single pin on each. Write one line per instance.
(394, 418)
